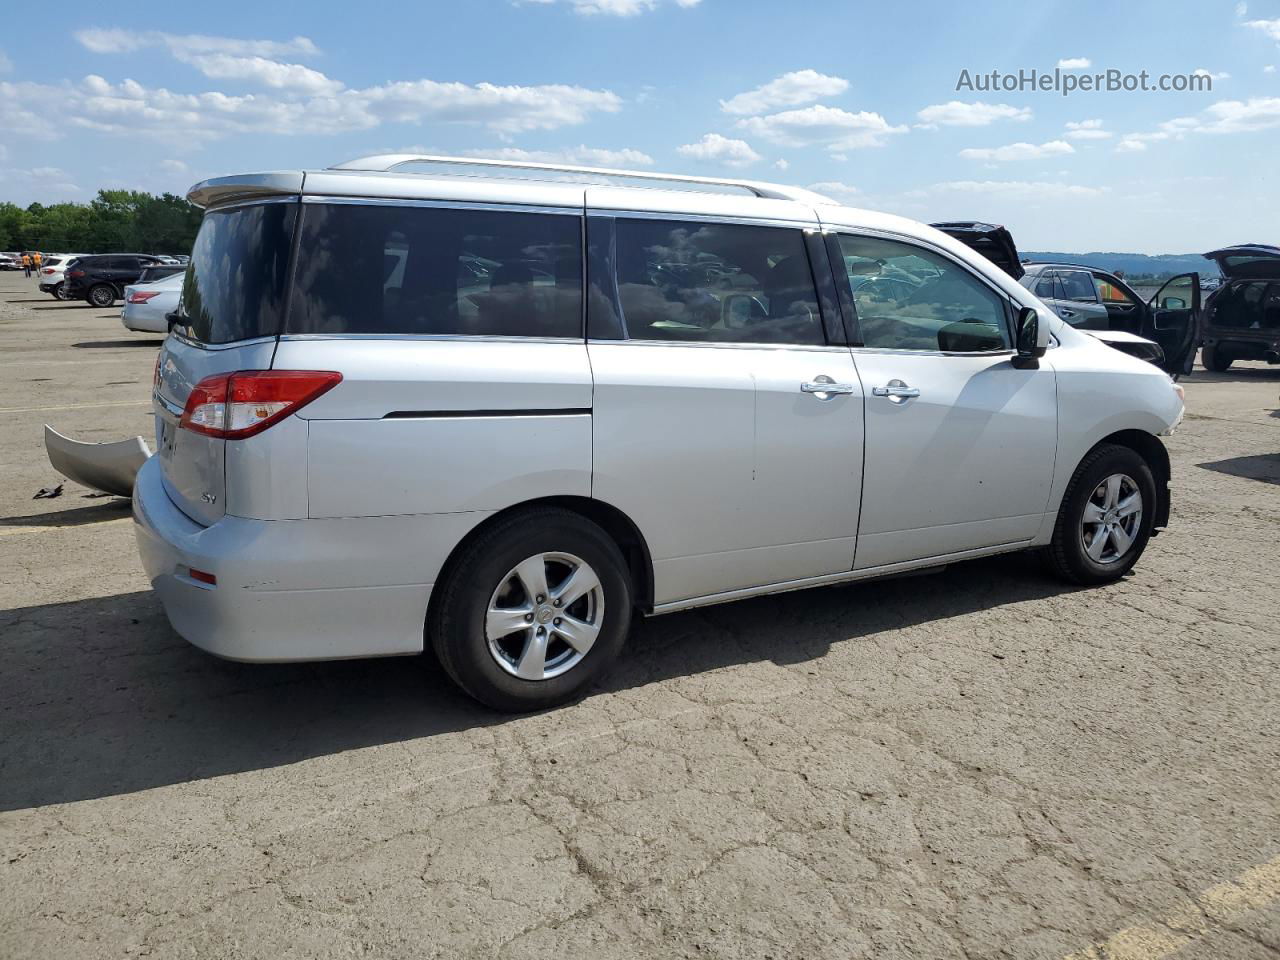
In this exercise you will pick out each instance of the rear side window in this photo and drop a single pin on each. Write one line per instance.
(1078, 285)
(718, 282)
(390, 269)
(236, 280)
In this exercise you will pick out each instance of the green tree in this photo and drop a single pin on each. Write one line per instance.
(115, 221)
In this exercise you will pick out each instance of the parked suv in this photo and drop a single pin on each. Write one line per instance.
(1242, 316)
(500, 412)
(100, 280)
(52, 271)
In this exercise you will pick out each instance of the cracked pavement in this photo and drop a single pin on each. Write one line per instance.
(978, 763)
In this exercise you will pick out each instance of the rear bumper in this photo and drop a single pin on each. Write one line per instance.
(48, 286)
(292, 589)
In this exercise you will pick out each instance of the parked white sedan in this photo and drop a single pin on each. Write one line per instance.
(147, 305)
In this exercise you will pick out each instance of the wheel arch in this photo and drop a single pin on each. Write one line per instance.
(620, 527)
(1149, 447)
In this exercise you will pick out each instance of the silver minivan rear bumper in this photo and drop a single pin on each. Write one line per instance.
(292, 589)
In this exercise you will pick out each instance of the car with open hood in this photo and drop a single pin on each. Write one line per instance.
(1242, 316)
(1163, 330)
(495, 409)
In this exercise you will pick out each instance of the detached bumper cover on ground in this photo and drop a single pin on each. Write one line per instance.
(109, 467)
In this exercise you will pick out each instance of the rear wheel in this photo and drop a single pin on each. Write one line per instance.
(59, 292)
(101, 295)
(1105, 519)
(532, 610)
(1212, 358)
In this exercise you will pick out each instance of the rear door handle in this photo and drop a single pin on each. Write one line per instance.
(824, 388)
(896, 392)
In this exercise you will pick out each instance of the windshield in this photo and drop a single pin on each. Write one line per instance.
(235, 283)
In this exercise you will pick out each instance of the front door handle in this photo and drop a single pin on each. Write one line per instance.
(896, 392)
(824, 388)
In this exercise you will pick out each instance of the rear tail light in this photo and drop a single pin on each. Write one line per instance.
(232, 406)
(75, 273)
(48, 270)
(140, 296)
(202, 577)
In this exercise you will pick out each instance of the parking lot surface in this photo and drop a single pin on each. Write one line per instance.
(975, 763)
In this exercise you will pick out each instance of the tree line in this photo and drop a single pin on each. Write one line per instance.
(116, 221)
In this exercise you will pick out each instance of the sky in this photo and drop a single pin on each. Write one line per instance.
(883, 106)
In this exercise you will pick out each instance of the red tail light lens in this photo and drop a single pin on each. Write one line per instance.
(48, 270)
(140, 296)
(232, 406)
(75, 273)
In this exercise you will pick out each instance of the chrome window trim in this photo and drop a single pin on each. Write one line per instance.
(428, 337)
(932, 247)
(230, 345)
(575, 211)
(702, 218)
(727, 345)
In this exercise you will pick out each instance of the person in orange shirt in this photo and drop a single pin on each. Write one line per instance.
(37, 259)
(26, 263)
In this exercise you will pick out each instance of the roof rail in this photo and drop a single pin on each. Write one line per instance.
(386, 162)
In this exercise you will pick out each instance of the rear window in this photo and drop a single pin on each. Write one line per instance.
(236, 280)
(410, 270)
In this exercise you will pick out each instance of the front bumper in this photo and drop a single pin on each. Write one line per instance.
(291, 589)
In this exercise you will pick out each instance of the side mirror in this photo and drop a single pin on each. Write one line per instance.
(1029, 345)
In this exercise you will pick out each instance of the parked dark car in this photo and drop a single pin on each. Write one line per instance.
(1164, 330)
(159, 271)
(100, 280)
(1242, 317)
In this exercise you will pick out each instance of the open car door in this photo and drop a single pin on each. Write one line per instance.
(1173, 321)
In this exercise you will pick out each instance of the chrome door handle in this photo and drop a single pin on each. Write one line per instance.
(824, 388)
(896, 391)
(1064, 313)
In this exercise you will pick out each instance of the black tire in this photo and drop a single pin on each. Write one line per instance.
(101, 295)
(1066, 556)
(1212, 358)
(59, 292)
(456, 625)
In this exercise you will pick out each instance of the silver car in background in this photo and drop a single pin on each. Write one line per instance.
(148, 305)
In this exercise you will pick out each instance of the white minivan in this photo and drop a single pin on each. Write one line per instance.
(499, 408)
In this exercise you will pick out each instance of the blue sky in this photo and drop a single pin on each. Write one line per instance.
(859, 98)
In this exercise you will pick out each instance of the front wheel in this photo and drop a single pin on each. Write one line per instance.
(59, 292)
(1105, 519)
(1212, 358)
(532, 610)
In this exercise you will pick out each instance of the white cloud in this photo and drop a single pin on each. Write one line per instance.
(1014, 188)
(956, 113)
(1075, 63)
(116, 40)
(132, 109)
(260, 70)
(173, 166)
(1226, 116)
(504, 109)
(616, 8)
(1242, 8)
(1086, 130)
(6, 65)
(1131, 145)
(836, 190)
(1269, 68)
(789, 90)
(781, 163)
(582, 155)
(1270, 27)
(717, 149)
(821, 126)
(1018, 151)
(1202, 72)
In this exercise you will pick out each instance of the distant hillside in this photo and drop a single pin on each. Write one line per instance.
(1134, 264)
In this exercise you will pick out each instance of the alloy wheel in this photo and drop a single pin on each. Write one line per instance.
(544, 616)
(1112, 519)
